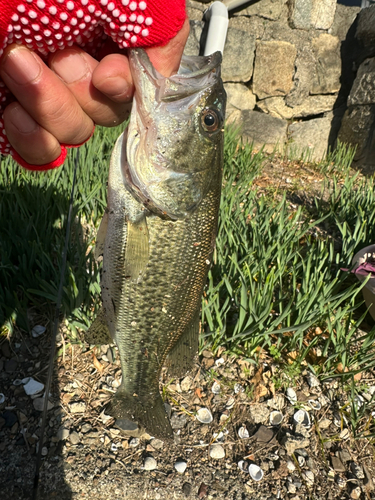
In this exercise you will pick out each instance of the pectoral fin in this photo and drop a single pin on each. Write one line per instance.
(137, 249)
(98, 332)
(101, 235)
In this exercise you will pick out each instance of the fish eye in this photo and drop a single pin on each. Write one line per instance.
(210, 120)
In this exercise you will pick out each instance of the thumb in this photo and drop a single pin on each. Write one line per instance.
(167, 59)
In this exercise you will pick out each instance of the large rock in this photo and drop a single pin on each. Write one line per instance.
(238, 56)
(239, 96)
(328, 64)
(344, 18)
(310, 138)
(358, 123)
(366, 27)
(357, 129)
(254, 25)
(274, 69)
(363, 90)
(304, 74)
(307, 14)
(263, 130)
(268, 9)
(312, 105)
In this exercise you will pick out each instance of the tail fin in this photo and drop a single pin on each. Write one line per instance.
(135, 415)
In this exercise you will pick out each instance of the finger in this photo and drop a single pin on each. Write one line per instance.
(75, 67)
(44, 96)
(167, 59)
(32, 142)
(112, 77)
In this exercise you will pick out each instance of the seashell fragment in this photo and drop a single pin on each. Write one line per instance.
(339, 419)
(204, 416)
(33, 387)
(301, 460)
(37, 331)
(219, 361)
(276, 417)
(217, 451)
(218, 436)
(291, 395)
(302, 417)
(340, 481)
(2, 398)
(358, 400)
(150, 463)
(243, 433)
(255, 472)
(357, 470)
(180, 466)
(242, 465)
(223, 418)
(309, 477)
(238, 388)
(230, 403)
(314, 404)
(215, 388)
(312, 380)
(290, 466)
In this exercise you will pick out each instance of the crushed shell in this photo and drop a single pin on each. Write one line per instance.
(314, 404)
(291, 395)
(276, 417)
(215, 388)
(255, 472)
(37, 331)
(243, 433)
(204, 416)
(302, 417)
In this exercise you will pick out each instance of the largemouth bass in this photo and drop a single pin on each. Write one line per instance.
(158, 234)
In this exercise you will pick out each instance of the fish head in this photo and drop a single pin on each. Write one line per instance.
(174, 146)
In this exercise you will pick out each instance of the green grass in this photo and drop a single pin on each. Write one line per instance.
(33, 214)
(276, 277)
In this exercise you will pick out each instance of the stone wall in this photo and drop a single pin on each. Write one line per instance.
(288, 70)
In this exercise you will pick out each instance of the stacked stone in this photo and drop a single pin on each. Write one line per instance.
(358, 123)
(282, 67)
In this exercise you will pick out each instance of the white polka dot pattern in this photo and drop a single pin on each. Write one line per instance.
(49, 25)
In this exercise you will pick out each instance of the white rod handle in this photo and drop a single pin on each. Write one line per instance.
(217, 29)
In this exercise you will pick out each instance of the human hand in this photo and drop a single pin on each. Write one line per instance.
(59, 103)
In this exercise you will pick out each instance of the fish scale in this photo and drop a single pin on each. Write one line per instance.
(159, 239)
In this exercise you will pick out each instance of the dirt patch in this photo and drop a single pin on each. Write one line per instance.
(86, 456)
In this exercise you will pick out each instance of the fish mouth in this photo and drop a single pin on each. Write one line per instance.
(194, 74)
(157, 162)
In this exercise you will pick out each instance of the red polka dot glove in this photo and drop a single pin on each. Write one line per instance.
(49, 25)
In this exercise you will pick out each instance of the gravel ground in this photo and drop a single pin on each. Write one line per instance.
(84, 454)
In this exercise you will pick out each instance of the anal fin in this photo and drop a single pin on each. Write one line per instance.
(181, 357)
(98, 332)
